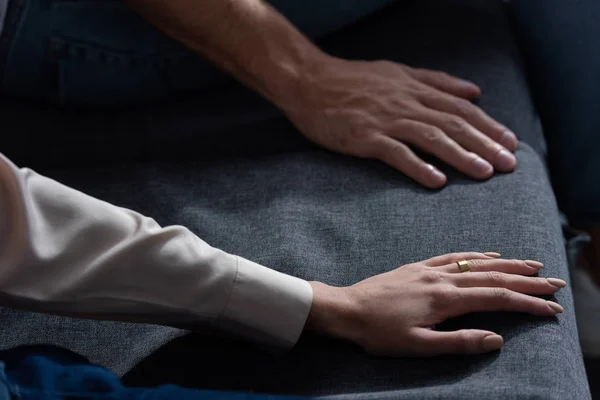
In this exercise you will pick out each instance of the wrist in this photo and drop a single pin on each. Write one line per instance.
(288, 78)
(332, 312)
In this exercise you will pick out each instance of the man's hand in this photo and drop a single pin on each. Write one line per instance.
(395, 313)
(365, 109)
(380, 109)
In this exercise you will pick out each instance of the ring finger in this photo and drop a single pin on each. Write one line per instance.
(434, 141)
(470, 138)
(521, 267)
(476, 116)
(399, 156)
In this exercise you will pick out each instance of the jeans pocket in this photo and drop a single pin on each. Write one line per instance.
(103, 54)
(84, 75)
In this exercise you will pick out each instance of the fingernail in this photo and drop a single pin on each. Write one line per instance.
(492, 254)
(555, 306)
(483, 167)
(510, 138)
(436, 174)
(557, 282)
(505, 161)
(534, 264)
(493, 342)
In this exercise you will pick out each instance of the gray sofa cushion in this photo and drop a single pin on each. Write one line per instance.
(322, 216)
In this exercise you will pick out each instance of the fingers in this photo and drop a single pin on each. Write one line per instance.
(516, 283)
(434, 141)
(399, 156)
(444, 82)
(471, 139)
(450, 258)
(473, 115)
(449, 103)
(468, 300)
(521, 267)
(464, 341)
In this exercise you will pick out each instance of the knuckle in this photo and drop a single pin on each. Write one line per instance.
(394, 151)
(495, 276)
(398, 150)
(465, 108)
(375, 148)
(500, 293)
(444, 296)
(456, 124)
(432, 276)
(432, 135)
(348, 141)
(517, 264)
(466, 342)
(415, 88)
(476, 264)
(539, 281)
(356, 133)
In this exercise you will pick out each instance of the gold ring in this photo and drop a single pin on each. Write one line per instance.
(464, 266)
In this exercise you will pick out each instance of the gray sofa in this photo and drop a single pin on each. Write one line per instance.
(228, 166)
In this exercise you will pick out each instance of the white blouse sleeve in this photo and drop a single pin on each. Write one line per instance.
(67, 253)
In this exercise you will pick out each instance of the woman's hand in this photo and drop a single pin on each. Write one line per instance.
(395, 313)
(378, 109)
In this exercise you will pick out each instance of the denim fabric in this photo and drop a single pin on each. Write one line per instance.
(100, 52)
(561, 43)
(228, 165)
(52, 373)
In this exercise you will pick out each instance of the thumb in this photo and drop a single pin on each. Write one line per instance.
(464, 341)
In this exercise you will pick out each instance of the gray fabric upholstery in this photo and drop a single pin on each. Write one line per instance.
(322, 216)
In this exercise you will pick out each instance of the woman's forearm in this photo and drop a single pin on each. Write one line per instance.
(247, 38)
(66, 253)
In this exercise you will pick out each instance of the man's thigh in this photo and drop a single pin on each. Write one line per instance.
(562, 50)
(102, 53)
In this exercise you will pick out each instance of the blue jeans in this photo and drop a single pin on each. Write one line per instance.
(52, 373)
(561, 43)
(101, 53)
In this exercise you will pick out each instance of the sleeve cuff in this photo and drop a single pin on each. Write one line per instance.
(266, 306)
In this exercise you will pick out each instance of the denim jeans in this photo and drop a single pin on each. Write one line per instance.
(561, 43)
(52, 373)
(101, 53)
